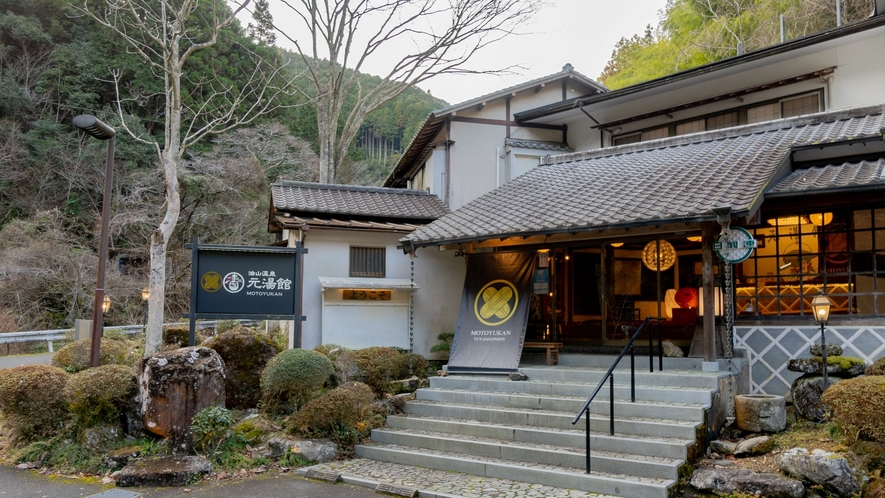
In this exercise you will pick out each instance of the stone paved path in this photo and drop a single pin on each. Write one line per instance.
(439, 483)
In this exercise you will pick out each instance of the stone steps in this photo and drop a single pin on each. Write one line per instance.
(489, 426)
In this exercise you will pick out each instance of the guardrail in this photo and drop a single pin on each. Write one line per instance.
(62, 334)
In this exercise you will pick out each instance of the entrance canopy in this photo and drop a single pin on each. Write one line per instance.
(670, 181)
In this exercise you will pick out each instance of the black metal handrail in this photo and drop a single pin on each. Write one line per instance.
(609, 376)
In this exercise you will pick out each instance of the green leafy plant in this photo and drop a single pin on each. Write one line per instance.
(445, 344)
(99, 395)
(858, 404)
(292, 377)
(212, 427)
(378, 366)
(32, 401)
(246, 353)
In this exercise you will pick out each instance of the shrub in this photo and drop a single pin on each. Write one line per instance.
(291, 377)
(378, 366)
(344, 415)
(176, 336)
(211, 427)
(877, 368)
(100, 395)
(75, 356)
(858, 404)
(445, 343)
(245, 353)
(32, 400)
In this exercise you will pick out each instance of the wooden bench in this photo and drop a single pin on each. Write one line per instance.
(551, 347)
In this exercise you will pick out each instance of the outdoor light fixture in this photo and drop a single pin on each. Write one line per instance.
(696, 238)
(617, 244)
(820, 219)
(105, 304)
(821, 307)
(145, 295)
(101, 131)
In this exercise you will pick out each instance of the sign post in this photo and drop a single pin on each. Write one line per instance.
(230, 282)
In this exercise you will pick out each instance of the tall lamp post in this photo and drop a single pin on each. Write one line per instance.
(101, 131)
(821, 307)
(145, 295)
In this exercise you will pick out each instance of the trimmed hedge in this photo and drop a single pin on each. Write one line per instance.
(74, 357)
(877, 368)
(859, 405)
(345, 415)
(292, 377)
(32, 399)
(100, 395)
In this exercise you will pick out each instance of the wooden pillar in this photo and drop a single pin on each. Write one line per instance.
(709, 311)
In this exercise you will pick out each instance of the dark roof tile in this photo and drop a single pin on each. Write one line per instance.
(348, 200)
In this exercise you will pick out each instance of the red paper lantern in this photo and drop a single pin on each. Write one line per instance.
(687, 297)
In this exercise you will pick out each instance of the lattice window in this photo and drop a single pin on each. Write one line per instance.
(368, 262)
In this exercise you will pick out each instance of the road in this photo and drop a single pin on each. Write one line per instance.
(25, 359)
(28, 484)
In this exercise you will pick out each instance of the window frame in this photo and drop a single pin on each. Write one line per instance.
(365, 262)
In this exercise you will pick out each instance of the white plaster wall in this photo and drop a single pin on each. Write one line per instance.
(440, 277)
(858, 79)
(474, 161)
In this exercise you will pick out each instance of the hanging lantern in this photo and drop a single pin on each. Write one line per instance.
(687, 297)
(658, 261)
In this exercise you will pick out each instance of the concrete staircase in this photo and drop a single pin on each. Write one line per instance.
(490, 426)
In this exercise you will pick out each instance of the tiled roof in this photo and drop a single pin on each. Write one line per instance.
(678, 179)
(538, 145)
(297, 222)
(833, 176)
(328, 200)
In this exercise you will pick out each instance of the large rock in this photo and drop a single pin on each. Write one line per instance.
(837, 366)
(806, 392)
(760, 412)
(731, 481)
(165, 471)
(314, 450)
(754, 446)
(723, 447)
(820, 468)
(174, 386)
(832, 350)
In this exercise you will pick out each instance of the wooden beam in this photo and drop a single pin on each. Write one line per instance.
(480, 107)
(709, 236)
(540, 87)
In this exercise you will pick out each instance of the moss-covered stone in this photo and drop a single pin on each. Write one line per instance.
(246, 353)
(839, 366)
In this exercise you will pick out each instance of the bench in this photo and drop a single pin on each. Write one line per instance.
(551, 347)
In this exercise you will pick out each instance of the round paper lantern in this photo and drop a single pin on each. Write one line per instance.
(687, 297)
(666, 257)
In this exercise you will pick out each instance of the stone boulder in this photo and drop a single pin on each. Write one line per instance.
(837, 366)
(806, 392)
(314, 450)
(760, 412)
(732, 481)
(165, 471)
(759, 445)
(174, 386)
(822, 468)
(832, 350)
(671, 350)
(723, 447)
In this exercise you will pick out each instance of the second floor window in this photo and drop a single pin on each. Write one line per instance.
(367, 262)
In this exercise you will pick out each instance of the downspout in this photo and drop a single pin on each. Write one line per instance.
(448, 158)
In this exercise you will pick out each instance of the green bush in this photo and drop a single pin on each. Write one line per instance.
(176, 336)
(344, 362)
(291, 378)
(100, 395)
(211, 427)
(378, 366)
(445, 343)
(877, 368)
(75, 356)
(245, 353)
(345, 415)
(32, 400)
(858, 404)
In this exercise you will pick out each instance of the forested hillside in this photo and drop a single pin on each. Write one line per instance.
(55, 63)
(695, 32)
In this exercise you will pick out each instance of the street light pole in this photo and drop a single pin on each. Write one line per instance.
(101, 131)
(821, 307)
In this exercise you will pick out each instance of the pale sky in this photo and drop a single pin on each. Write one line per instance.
(580, 32)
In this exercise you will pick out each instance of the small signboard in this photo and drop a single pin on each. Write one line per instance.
(541, 281)
(245, 282)
(735, 245)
